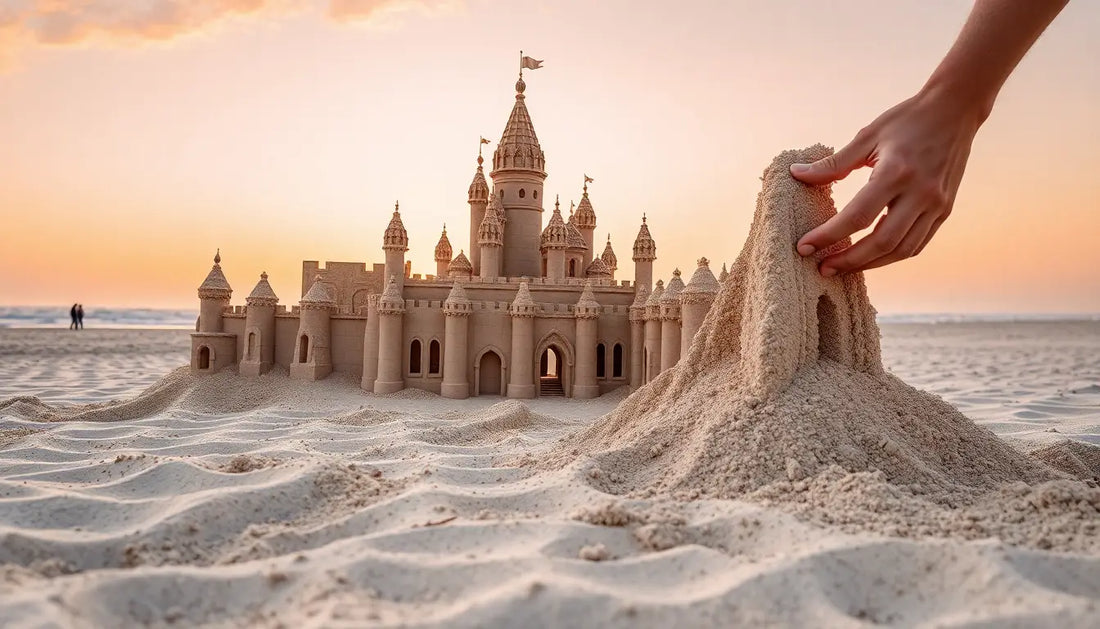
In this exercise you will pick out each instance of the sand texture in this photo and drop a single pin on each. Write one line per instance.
(781, 475)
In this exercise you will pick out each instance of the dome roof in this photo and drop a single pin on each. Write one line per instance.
(479, 189)
(519, 148)
(585, 216)
(597, 268)
(262, 294)
(673, 289)
(395, 238)
(317, 294)
(644, 247)
(702, 281)
(461, 265)
(215, 286)
(443, 251)
(609, 257)
(491, 231)
(556, 234)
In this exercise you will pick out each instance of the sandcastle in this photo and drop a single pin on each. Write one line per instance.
(783, 394)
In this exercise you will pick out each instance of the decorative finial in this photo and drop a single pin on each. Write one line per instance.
(643, 218)
(557, 202)
(587, 180)
(263, 276)
(444, 229)
(609, 238)
(396, 207)
(218, 256)
(704, 262)
(676, 273)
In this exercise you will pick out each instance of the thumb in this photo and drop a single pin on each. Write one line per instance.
(836, 166)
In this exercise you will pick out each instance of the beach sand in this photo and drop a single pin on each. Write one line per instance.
(320, 505)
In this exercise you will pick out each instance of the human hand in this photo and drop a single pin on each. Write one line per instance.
(918, 152)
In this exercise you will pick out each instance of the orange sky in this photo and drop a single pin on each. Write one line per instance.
(133, 141)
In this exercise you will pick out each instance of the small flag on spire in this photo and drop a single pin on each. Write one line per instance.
(588, 179)
(528, 63)
(484, 141)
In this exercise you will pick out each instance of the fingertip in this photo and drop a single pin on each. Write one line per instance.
(828, 271)
(806, 249)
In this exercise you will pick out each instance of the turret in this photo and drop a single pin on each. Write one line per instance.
(587, 311)
(460, 268)
(395, 242)
(521, 382)
(456, 312)
(609, 257)
(585, 220)
(391, 314)
(553, 244)
(312, 358)
(598, 270)
(724, 274)
(490, 239)
(670, 321)
(443, 253)
(478, 198)
(637, 337)
(211, 348)
(645, 252)
(214, 294)
(695, 302)
(519, 170)
(653, 332)
(259, 329)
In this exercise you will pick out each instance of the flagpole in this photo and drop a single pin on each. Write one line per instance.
(521, 65)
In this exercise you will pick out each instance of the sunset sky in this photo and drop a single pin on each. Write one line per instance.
(136, 136)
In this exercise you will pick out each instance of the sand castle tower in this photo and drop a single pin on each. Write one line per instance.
(637, 337)
(443, 253)
(490, 239)
(553, 244)
(478, 198)
(597, 270)
(670, 321)
(653, 332)
(259, 329)
(370, 345)
(585, 220)
(211, 349)
(395, 242)
(645, 252)
(519, 169)
(521, 382)
(609, 257)
(313, 348)
(695, 302)
(724, 274)
(460, 268)
(391, 315)
(456, 312)
(587, 312)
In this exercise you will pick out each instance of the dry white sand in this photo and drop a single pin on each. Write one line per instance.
(227, 501)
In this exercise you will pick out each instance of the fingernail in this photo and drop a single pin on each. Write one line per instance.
(827, 271)
(806, 249)
(798, 169)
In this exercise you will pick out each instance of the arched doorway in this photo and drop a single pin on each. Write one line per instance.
(303, 349)
(550, 372)
(490, 372)
(204, 357)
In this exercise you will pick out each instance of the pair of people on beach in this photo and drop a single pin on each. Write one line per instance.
(919, 148)
(77, 314)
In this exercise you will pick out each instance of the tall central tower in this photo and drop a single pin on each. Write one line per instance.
(519, 169)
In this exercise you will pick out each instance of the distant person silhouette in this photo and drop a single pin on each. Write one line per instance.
(80, 315)
(72, 313)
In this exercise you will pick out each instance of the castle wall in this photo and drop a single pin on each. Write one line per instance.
(423, 322)
(347, 344)
(286, 333)
(234, 324)
(349, 283)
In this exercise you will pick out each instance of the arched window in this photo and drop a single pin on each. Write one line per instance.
(251, 353)
(601, 360)
(303, 349)
(522, 193)
(534, 194)
(572, 267)
(617, 361)
(414, 357)
(502, 193)
(433, 357)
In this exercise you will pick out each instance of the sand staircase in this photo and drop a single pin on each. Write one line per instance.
(550, 386)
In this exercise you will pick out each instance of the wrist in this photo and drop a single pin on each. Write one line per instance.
(967, 98)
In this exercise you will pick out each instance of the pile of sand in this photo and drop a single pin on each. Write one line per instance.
(783, 398)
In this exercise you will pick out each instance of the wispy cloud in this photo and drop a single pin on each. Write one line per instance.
(28, 24)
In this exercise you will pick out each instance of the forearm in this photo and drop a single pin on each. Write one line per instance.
(994, 39)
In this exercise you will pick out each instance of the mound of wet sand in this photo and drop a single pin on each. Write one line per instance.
(783, 398)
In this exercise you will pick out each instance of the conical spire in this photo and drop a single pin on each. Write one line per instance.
(395, 238)
(443, 251)
(702, 282)
(658, 292)
(391, 300)
(598, 269)
(495, 207)
(587, 306)
(556, 234)
(637, 309)
(519, 148)
(461, 265)
(523, 305)
(585, 217)
(479, 189)
(724, 274)
(215, 286)
(317, 296)
(457, 302)
(672, 290)
(262, 294)
(609, 257)
(645, 249)
(491, 231)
